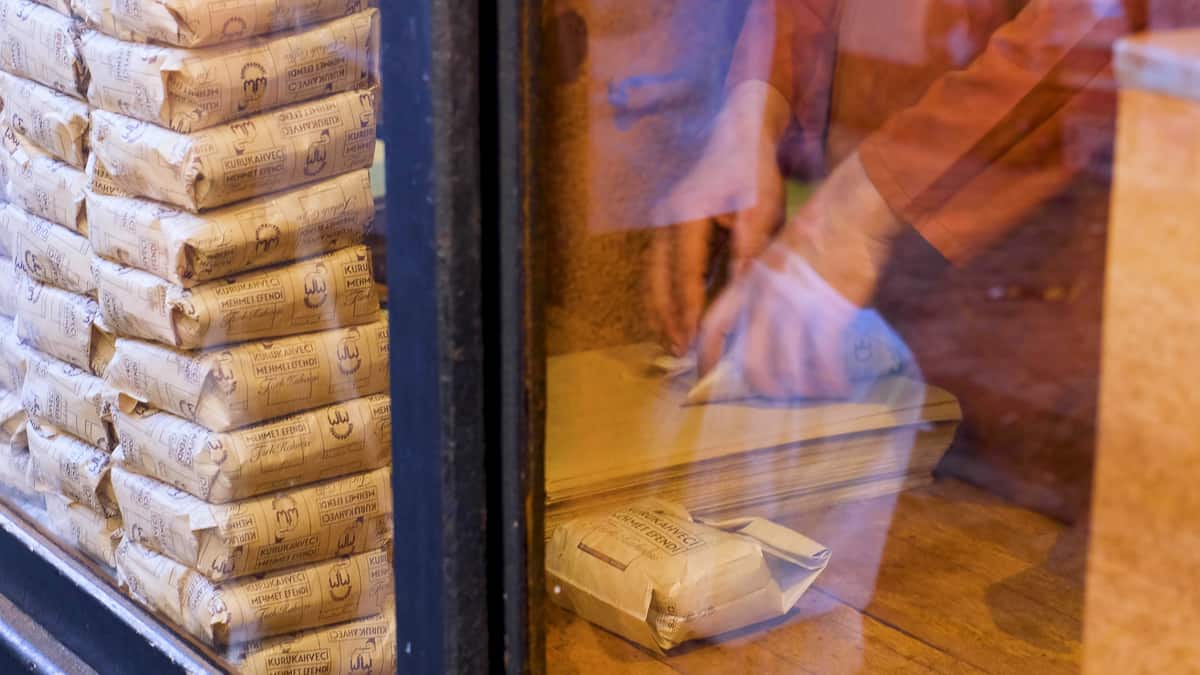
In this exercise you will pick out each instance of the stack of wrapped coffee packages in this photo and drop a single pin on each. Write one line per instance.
(207, 367)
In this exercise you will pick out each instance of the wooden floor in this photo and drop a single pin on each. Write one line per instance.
(945, 579)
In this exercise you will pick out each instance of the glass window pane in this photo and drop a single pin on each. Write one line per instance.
(823, 323)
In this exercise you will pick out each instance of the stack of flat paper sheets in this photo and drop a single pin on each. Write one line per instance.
(617, 430)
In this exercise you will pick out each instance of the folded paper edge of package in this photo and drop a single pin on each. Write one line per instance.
(631, 569)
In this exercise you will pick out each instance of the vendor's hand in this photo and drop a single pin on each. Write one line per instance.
(791, 324)
(736, 184)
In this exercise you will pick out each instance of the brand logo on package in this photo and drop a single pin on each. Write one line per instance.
(254, 85)
(244, 131)
(266, 238)
(287, 516)
(348, 355)
(317, 156)
(316, 288)
(340, 426)
(233, 28)
(362, 660)
(340, 584)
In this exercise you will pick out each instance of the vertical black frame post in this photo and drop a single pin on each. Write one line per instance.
(430, 71)
(521, 356)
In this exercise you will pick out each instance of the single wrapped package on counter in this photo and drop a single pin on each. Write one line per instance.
(254, 381)
(341, 516)
(352, 648)
(653, 574)
(50, 253)
(67, 466)
(40, 44)
(254, 156)
(13, 356)
(70, 400)
(328, 291)
(192, 89)
(320, 594)
(55, 122)
(199, 23)
(94, 534)
(13, 437)
(189, 249)
(219, 467)
(65, 325)
(42, 185)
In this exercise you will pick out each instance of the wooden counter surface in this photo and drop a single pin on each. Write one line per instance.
(967, 584)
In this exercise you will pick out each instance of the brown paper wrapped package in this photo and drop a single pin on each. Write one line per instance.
(86, 530)
(336, 289)
(17, 472)
(41, 45)
(67, 466)
(254, 381)
(62, 324)
(197, 23)
(652, 574)
(254, 156)
(57, 123)
(218, 468)
(9, 281)
(334, 591)
(13, 356)
(353, 648)
(101, 183)
(49, 253)
(61, 6)
(42, 185)
(192, 89)
(12, 220)
(12, 422)
(189, 249)
(69, 399)
(288, 528)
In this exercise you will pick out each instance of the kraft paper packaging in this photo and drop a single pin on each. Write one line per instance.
(328, 291)
(65, 325)
(9, 280)
(12, 219)
(218, 468)
(49, 253)
(253, 156)
(69, 399)
(192, 89)
(13, 356)
(53, 121)
(40, 44)
(12, 422)
(653, 574)
(352, 648)
(61, 6)
(78, 526)
(198, 23)
(321, 594)
(67, 466)
(293, 527)
(17, 472)
(254, 381)
(100, 183)
(42, 185)
(189, 249)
